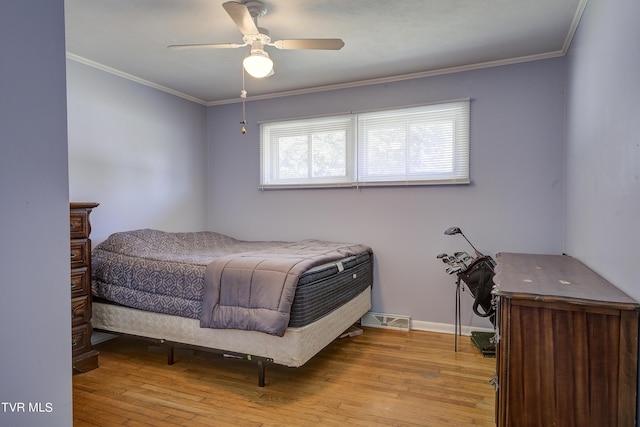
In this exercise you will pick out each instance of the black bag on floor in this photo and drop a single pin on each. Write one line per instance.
(479, 279)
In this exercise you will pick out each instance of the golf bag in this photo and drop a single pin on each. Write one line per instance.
(478, 277)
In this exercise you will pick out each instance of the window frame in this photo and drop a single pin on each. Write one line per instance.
(456, 114)
(271, 132)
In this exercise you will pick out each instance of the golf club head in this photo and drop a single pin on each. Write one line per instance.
(452, 230)
(456, 230)
(463, 256)
(452, 270)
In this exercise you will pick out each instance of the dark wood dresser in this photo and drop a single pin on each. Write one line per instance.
(567, 351)
(85, 358)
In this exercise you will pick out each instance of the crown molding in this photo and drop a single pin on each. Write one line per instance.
(359, 83)
(392, 79)
(574, 25)
(106, 68)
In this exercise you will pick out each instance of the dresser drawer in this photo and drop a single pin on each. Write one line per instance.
(80, 311)
(80, 339)
(79, 224)
(80, 282)
(80, 253)
(85, 358)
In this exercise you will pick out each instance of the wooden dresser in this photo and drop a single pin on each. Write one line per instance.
(85, 358)
(567, 352)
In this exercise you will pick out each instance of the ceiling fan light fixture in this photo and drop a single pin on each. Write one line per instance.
(258, 64)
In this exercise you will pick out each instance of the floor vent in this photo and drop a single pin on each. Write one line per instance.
(385, 320)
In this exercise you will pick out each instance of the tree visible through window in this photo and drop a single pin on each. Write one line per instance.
(418, 145)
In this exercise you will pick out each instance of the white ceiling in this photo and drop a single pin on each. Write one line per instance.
(384, 41)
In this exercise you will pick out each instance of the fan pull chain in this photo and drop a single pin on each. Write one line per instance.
(243, 95)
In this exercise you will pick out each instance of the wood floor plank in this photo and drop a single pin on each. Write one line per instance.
(380, 378)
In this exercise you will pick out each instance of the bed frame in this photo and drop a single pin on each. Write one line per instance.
(294, 349)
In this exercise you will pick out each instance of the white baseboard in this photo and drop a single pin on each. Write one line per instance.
(392, 321)
(445, 328)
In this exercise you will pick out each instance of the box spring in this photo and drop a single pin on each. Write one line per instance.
(293, 349)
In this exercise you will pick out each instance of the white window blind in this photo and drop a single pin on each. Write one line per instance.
(419, 145)
(308, 152)
(407, 146)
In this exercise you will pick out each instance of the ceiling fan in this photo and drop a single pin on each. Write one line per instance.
(245, 14)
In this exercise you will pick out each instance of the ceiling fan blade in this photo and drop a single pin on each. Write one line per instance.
(242, 17)
(326, 44)
(205, 46)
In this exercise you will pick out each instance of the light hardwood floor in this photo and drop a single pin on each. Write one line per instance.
(383, 377)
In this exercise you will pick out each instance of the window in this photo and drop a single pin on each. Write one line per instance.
(408, 146)
(309, 152)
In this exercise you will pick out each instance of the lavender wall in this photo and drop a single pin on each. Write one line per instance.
(603, 142)
(35, 373)
(514, 204)
(139, 152)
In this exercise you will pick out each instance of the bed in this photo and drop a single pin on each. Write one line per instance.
(265, 301)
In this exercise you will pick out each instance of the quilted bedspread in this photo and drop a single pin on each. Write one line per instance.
(158, 271)
(249, 284)
(255, 290)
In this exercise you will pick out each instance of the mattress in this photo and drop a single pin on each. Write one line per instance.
(163, 272)
(323, 289)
